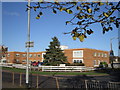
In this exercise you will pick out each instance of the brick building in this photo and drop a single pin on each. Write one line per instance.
(90, 57)
(21, 57)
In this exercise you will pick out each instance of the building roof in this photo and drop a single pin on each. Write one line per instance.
(86, 49)
(64, 49)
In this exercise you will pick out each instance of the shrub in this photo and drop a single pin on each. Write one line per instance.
(76, 64)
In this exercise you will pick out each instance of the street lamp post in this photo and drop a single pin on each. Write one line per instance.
(112, 52)
(28, 36)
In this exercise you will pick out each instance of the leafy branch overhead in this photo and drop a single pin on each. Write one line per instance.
(84, 15)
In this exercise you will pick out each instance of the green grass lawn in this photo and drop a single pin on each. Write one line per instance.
(53, 73)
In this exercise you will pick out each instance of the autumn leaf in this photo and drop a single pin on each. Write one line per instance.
(89, 10)
(105, 14)
(69, 11)
(78, 8)
(81, 38)
(38, 17)
(80, 17)
(74, 37)
(100, 3)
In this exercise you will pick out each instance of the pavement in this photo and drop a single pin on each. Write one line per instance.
(46, 81)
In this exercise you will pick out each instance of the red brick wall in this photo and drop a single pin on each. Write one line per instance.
(88, 56)
(13, 56)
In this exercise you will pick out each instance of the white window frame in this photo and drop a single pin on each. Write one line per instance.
(78, 53)
(17, 60)
(99, 54)
(30, 55)
(35, 55)
(105, 55)
(94, 62)
(99, 62)
(24, 55)
(95, 54)
(17, 55)
(102, 54)
(79, 60)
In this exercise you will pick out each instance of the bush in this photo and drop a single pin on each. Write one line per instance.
(75, 64)
(103, 64)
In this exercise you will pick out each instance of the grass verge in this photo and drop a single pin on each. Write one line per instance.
(53, 73)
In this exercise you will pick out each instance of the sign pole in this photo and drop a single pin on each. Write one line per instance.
(28, 36)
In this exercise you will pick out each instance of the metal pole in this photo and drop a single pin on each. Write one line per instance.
(111, 51)
(119, 39)
(27, 66)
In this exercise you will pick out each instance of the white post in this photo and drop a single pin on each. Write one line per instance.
(27, 66)
(86, 87)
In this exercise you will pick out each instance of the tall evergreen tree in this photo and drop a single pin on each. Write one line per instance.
(54, 55)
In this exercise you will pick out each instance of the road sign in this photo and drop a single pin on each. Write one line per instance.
(29, 44)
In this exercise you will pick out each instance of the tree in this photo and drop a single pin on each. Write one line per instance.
(85, 14)
(54, 55)
(3, 51)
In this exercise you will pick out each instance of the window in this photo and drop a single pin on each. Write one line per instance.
(105, 55)
(77, 60)
(94, 62)
(24, 55)
(102, 54)
(35, 55)
(30, 55)
(17, 55)
(95, 54)
(23, 61)
(98, 54)
(17, 60)
(98, 62)
(38, 55)
(78, 53)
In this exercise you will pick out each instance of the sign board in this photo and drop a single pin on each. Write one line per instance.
(62, 65)
(29, 44)
(111, 53)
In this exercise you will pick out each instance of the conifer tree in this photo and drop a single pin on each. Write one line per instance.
(54, 55)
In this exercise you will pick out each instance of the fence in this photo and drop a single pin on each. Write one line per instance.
(38, 81)
(53, 68)
(65, 68)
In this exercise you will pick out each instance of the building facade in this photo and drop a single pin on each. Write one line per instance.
(21, 57)
(90, 57)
